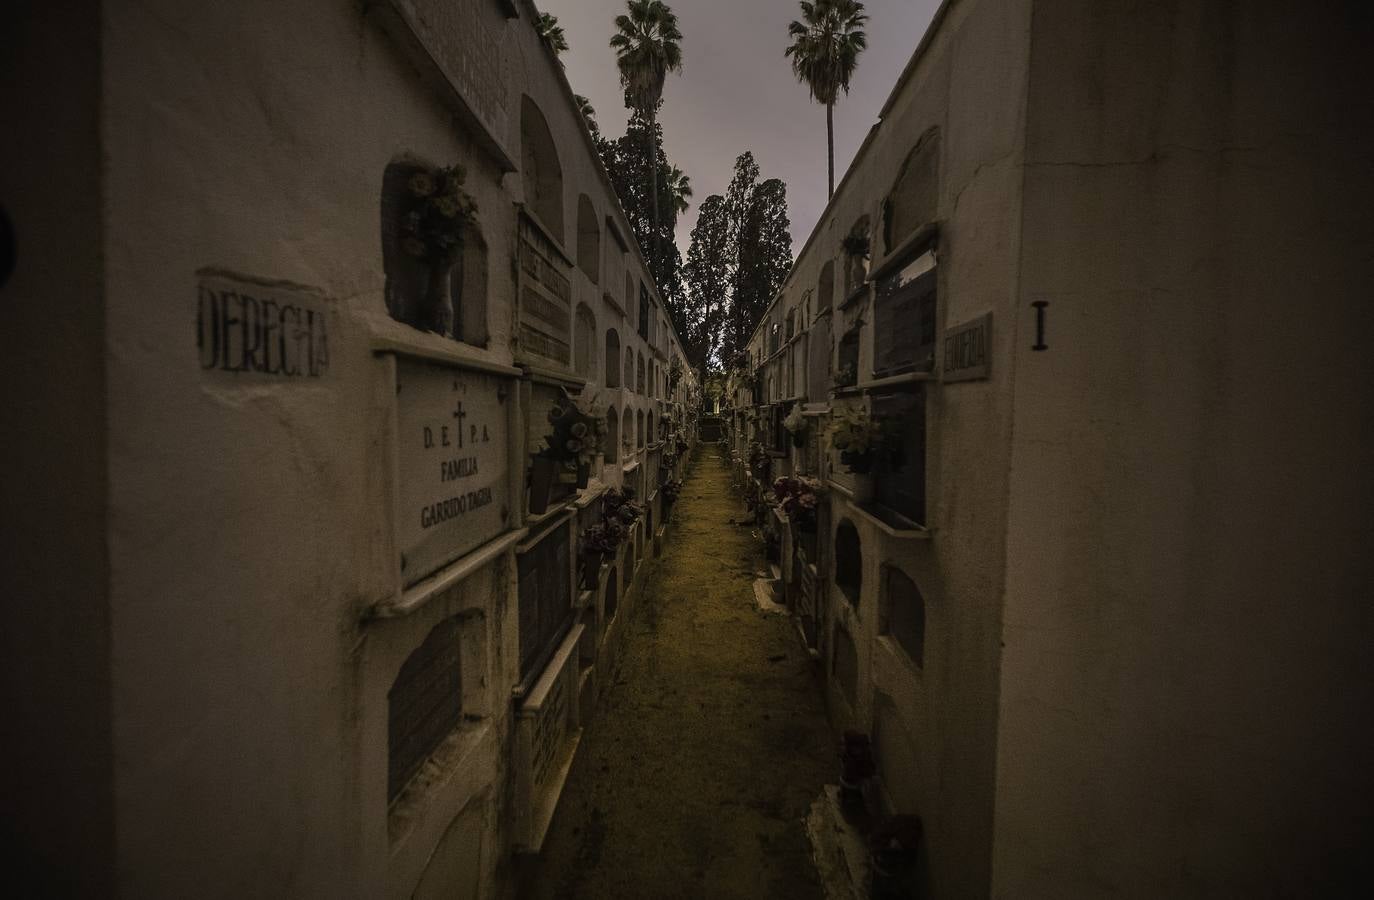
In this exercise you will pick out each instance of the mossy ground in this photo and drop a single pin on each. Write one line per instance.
(695, 774)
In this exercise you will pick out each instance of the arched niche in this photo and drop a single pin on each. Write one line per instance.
(639, 428)
(627, 432)
(849, 561)
(639, 374)
(856, 259)
(584, 342)
(644, 314)
(915, 194)
(649, 426)
(407, 276)
(629, 369)
(588, 239)
(903, 616)
(540, 169)
(825, 287)
(612, 358)
(425, 703)
(611, 450)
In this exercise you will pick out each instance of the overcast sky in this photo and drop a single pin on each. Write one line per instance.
(737, 92)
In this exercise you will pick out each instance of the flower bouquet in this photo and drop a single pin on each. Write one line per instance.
(569, 449)
(797, 497)
(758, 460)
(621, 506)
(597, 545)
(857, 436)
(438, 213)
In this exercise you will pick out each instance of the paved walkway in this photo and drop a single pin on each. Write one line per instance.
(695, 775)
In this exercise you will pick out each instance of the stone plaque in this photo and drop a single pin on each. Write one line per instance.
(545, 299)
(904, 318)
(256, 330)
(454, 490)
(545, 589)
(966, 350)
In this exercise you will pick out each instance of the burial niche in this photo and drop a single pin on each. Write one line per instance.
(825, 287)
(643, 311)
(612, 358)
(639, 374)
(904, 614)
(588, 239)
(612, 448)
(424, 704)
(912, 202)
(848, 561)
(435, 262)
(857, 251)
(629, 369)
(639, 428)
(540, 169)
(584, 342)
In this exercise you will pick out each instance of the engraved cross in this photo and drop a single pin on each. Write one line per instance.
(460, 416)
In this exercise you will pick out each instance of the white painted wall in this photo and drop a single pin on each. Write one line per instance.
(249, 525)
(1185, 681)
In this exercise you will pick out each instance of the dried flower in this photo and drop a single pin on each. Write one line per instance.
(421, 184)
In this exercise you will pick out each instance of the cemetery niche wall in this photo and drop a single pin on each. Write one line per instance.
(356, 379)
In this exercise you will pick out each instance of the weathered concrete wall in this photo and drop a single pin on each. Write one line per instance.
(55, 744)
(251, 520)
(1185, 681)
(938, 722)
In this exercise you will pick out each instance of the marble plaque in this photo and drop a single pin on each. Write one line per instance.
(454, 487)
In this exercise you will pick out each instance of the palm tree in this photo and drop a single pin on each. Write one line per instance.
(552, 33)
(584, 106)
(680, 189)
(646, 50)
(825, 50)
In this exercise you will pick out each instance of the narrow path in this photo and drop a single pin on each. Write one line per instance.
(703, 758)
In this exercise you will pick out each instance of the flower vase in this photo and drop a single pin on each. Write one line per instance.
(437, 315)
(543, 473)
(863, 488)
